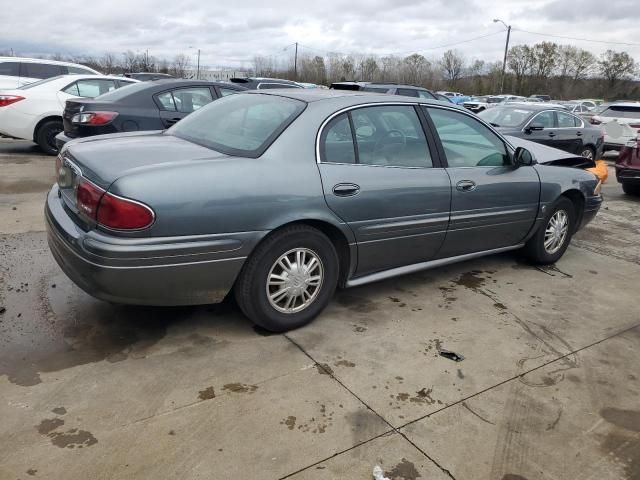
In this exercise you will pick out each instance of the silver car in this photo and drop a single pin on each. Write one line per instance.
(282, 196)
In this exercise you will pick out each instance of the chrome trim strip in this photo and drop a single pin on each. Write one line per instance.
(394, 272)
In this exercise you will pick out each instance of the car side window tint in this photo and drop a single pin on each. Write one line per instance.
(408, 92)
(565, 120)
(390, 136)
(188, 100)
(466, 141)
(93, 88)
(545, 119)
(11, 69)
(166, 100)
(41, 70)
(337, 141)
(227, 91)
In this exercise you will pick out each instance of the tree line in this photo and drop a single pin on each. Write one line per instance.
(562, 71)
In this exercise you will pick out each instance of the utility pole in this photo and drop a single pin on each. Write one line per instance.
(198, 68)
(295, 64)
(506, 50)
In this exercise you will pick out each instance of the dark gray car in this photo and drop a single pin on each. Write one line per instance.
(554, 127)
(281, 196)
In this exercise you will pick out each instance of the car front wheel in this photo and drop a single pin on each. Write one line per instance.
(551, 240)
(289, 279)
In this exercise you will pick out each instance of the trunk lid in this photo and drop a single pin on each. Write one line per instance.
(77, 105)
(103, 159)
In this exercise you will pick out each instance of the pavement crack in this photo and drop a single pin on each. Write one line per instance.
(464, 404)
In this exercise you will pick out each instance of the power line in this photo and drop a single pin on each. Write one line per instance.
(579, 39)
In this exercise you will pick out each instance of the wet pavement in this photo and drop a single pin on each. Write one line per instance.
(548, 388)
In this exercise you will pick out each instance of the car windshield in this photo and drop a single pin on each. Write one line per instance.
(495, 99)
(242, 125)
(505, 116)
(621, 112)
(39, 82)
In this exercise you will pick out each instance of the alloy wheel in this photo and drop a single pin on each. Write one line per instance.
(556, 232)
(587, 153)
(295, 280)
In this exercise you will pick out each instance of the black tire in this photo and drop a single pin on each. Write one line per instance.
(46, 136)
(535, 249)
(251, 287)
(588, 152)
(630, 189)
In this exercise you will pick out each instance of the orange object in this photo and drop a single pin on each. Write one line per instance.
(601, 170)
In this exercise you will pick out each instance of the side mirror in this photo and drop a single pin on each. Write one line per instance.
(534, 127)
(522, 157)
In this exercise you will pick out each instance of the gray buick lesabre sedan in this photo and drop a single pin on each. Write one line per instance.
(282, 196)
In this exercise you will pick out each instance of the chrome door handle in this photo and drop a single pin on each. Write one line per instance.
(346, 189)
(466, 186)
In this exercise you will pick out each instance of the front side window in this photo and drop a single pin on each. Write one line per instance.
(545, 119)
(337, 141)
(242, 125)
(567, 121)
(466, 141)
(505, 116)
(390, 136)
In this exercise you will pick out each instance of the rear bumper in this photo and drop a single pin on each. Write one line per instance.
(61, 139)
(628, 175)
(612, 146)
(146, 271)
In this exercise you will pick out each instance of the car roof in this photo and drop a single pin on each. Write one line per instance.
(43, 60)
(186, 82)
(346, 97)
(381, 84)
(625, 104)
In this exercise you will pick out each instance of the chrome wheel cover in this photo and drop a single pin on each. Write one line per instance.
(587, 153)
(556, 232)
(295, 280)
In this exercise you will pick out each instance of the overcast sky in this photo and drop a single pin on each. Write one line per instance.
(231, 33)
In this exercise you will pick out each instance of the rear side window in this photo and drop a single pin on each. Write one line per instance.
(90, 88)
(41, 70)
(337, 141)
(567, 121)
(425, 94)
(242, 125)
(185, 100)
(408, 92)
(11, 69)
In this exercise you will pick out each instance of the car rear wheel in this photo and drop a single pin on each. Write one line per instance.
(46, 136)
(588, 152)
(630, 189)
(551, 240)
(289, 279)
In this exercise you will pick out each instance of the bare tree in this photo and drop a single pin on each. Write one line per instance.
(584, 63)
(180, 65)
(615, 66)
(519, 61)
(413, 68)
(108, 63)
(452, 64)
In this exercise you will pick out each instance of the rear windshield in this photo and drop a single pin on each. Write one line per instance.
(505, 116)
(622, 112)
(494, 99)
(243, 125)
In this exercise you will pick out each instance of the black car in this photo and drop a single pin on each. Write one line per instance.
(152, 105)
(554, 127)
(147, 76)
(260, 83)
(388, 88)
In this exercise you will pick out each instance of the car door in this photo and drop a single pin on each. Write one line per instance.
(546, 136)
(381, 175)
(569, 133)
(178, 103)
(493, 204)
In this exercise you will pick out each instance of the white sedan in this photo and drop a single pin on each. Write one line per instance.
(620, 122)
(34, 111)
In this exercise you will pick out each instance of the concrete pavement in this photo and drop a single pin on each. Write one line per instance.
(548, 388)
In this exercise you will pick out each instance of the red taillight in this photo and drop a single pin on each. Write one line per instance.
(594, 121)
(122, 214)
(88, 198)
(111, 211)
(6, 100)
(94, 118)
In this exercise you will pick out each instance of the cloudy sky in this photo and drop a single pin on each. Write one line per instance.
(232, 33)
